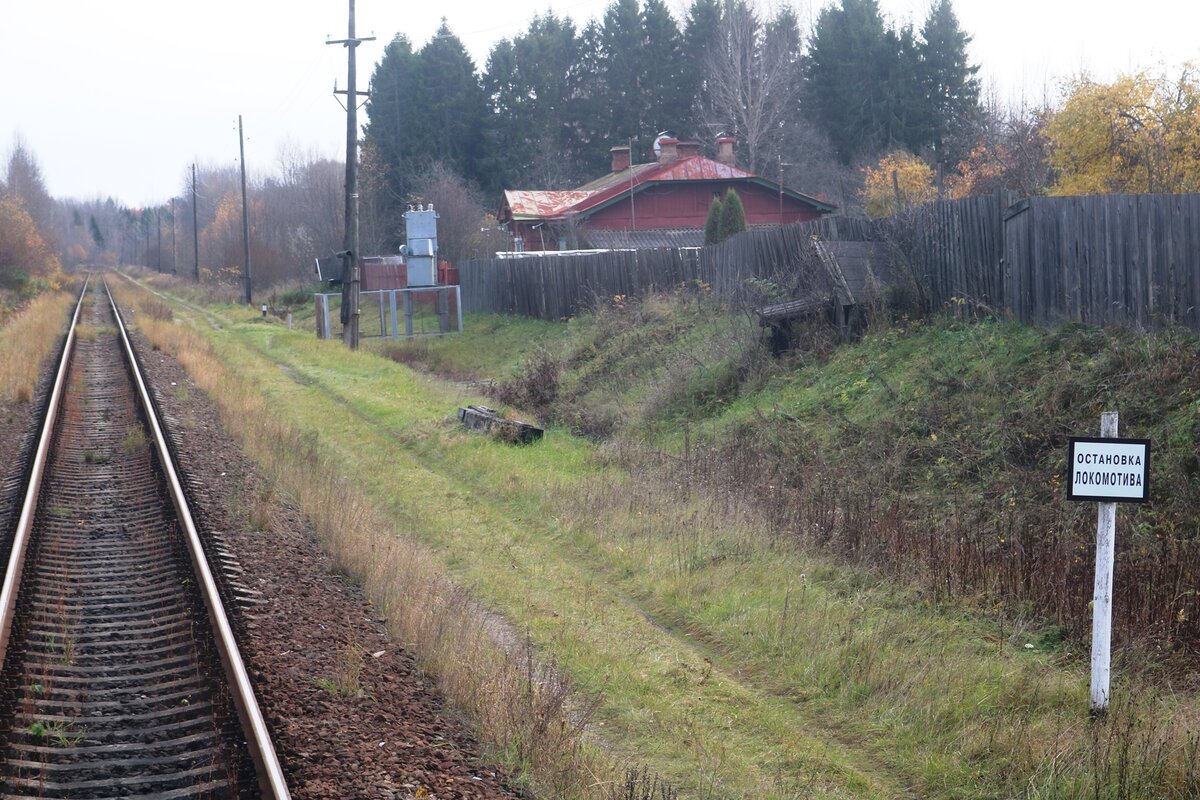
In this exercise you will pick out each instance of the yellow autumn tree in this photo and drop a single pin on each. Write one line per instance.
(982, 171)
(221, 240)
(24, 253)
(1140, 133)
(900, 180)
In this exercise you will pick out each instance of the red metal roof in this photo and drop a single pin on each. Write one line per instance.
(699, 168)
(620, 177)
(534, 204)
(693, 168)
(531, 205)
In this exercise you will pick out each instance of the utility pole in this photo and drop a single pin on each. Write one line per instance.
(632, 213)
(781, 166)
(195, 226)
(350, 239)
(245, 210)
(174, 250)
(158, 255)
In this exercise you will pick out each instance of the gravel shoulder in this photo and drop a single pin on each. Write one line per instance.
(351, 713)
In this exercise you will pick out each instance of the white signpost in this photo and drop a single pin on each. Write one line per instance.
(1108, 470)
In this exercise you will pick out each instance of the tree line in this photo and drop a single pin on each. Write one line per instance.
(860, 110)
(551, 101)
(294, 212)
(872, 115)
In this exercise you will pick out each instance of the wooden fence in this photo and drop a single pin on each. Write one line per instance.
(554, 287)
(952, 248)
(1113, 259)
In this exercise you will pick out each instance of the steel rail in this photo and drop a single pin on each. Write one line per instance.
(16, 558)
(262, 751)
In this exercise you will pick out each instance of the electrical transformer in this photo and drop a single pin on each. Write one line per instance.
(422, 249)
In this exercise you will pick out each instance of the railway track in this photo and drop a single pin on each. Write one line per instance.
(120, 674)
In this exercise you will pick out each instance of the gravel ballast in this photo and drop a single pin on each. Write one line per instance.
(308, 630)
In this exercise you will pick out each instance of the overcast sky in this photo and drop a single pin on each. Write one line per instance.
(117, 98)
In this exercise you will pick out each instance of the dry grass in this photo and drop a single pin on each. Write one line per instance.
(25, 342)
(936, 684)
(522, 708)
(135, 440)
(347, 676)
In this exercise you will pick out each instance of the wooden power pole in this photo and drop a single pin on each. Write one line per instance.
(195, 225)
(245, 210)
(350, 239)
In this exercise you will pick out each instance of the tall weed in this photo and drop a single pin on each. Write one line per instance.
(27, 339)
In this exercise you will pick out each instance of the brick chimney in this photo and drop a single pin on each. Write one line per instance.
(620, 158)
(689, 149)
(725, 149)
(668, 152)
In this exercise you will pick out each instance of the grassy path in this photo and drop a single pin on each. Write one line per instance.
(730, 666)
(698, 722)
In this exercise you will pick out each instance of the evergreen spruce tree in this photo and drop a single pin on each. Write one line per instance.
(393, 95)
(949, 83)
(623, 73)
(850, 64)
(667, 96)
(427, 107)
(447, 121)
(905, 115)
(712, 225)
(94, 230)
(591, 102)
(700, 35)
(873, 88)
(733, 216)
(530, 82)
(635, 80)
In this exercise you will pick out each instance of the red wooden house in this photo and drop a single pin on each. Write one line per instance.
(660, 204)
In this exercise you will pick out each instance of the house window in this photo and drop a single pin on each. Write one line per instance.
(518, 244)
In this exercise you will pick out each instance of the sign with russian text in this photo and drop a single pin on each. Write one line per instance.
(1109, 470)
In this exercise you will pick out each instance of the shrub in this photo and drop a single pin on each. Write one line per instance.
(537, 387)
(900, 180)
(733, 216)
(712, 225)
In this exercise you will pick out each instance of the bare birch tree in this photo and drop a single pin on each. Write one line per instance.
(752, 81)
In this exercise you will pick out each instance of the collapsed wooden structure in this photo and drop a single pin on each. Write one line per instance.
(842, 276)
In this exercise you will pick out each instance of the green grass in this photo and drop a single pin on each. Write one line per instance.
(469, 499)
(727, 659)
(943, 428)
(495, 347)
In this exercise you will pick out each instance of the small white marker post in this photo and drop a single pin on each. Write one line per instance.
(1106, 531)
(1107, 470)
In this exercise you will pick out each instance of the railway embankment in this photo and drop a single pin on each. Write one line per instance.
(704, 563)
